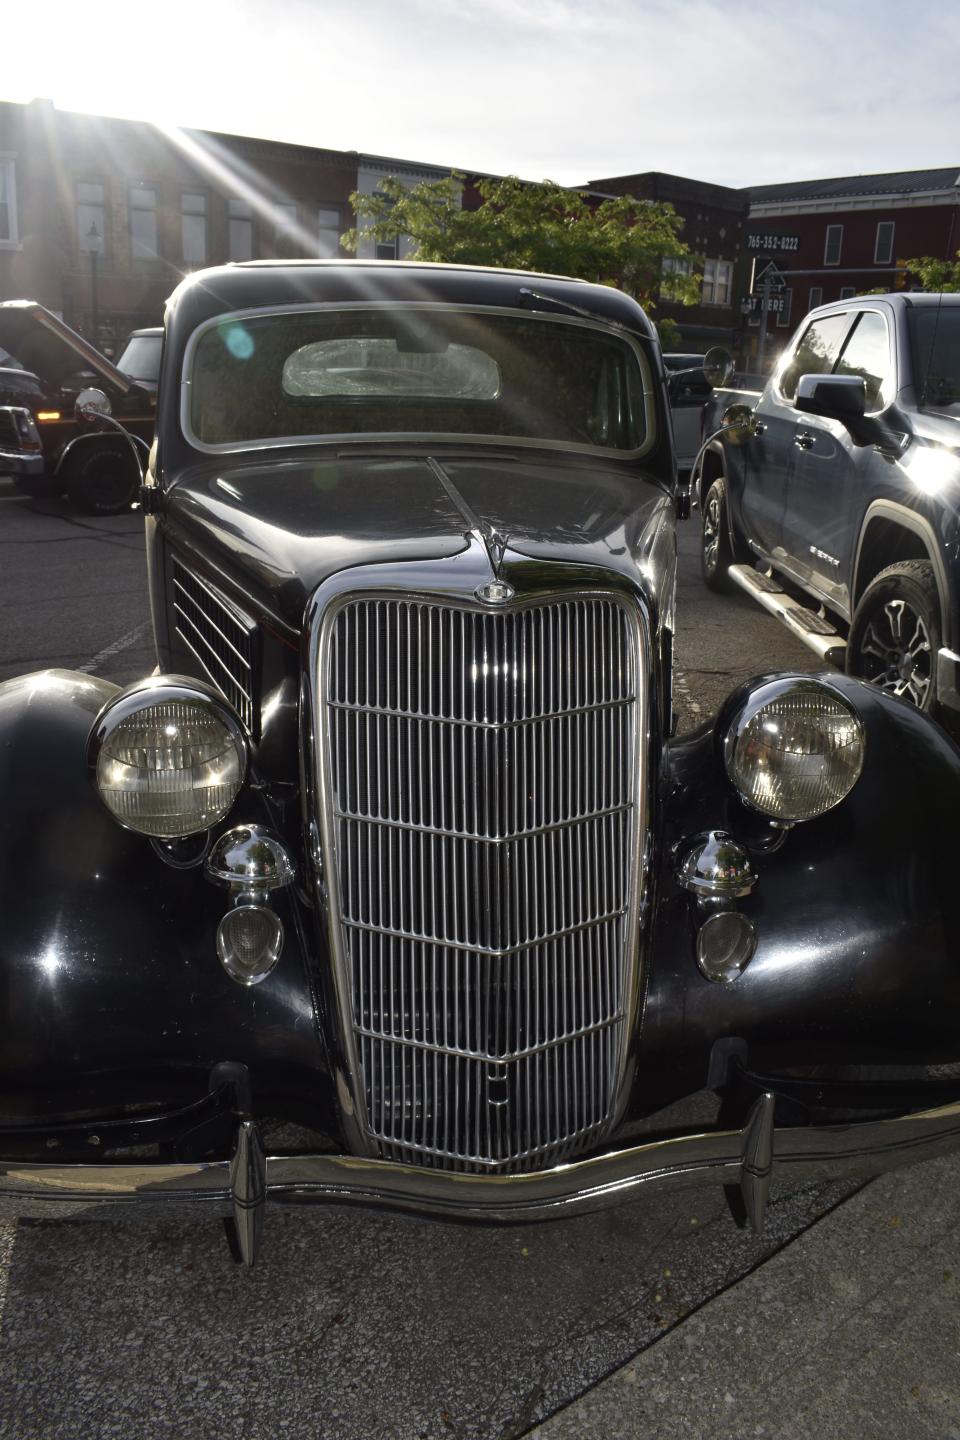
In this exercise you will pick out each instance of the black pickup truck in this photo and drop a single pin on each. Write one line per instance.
(839, 483)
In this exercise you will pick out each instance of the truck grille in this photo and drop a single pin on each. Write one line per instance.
(481, 773)
(220, 638)
(9, 439)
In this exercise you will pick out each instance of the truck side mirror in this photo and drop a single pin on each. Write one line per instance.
(836, 397)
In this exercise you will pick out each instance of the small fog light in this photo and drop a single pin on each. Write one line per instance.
(249, 941)
(725, 945)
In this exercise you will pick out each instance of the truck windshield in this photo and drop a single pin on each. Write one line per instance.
(414, 372)
(935, 339)
(141, 357)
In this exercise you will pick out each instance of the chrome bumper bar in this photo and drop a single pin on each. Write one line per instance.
(242, 1186)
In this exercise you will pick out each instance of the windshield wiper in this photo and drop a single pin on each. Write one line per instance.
(526, 295)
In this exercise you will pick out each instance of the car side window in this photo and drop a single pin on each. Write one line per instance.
(817, 351)
(867, 353)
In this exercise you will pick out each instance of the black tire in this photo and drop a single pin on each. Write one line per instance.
(104, 481)
(896, 633)
(716, 556)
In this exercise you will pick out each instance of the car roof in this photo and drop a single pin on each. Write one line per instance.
(267, 284)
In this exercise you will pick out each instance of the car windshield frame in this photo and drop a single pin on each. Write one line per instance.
(645, 391)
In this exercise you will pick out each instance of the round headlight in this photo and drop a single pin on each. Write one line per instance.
(795, 750)
(169, 757)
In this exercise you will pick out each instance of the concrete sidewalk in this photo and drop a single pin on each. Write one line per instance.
(852, 1332)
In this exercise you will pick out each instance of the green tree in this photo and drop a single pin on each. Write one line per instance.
(544, 227)
(935, 275)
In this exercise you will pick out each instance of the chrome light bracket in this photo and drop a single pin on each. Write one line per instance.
(716, 871)
(251, 862)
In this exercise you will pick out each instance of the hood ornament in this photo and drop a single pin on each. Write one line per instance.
(495, 592)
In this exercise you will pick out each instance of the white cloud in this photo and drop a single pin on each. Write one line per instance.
(726, 91)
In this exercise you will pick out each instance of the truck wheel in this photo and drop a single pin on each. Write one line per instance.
(104, 482)
(895, 633)
(716, 556)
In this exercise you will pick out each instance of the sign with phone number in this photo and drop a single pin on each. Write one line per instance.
(780, 243)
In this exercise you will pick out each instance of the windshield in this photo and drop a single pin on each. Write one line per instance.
(415, 372)
(935, 338)
(141, 357)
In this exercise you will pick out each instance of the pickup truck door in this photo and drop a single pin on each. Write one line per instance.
(827, 484)
(776, 516)
(767, 460)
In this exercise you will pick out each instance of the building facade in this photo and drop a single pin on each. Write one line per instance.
(713, 220)
(835, 238)
(101, 218)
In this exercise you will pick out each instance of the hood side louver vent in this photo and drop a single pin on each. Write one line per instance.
(220, 638)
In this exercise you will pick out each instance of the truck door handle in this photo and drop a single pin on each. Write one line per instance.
(804, 440)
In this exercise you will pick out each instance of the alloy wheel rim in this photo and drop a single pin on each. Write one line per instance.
(896, 654)
(711, 532)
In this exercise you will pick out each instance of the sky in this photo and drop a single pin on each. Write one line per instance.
(736, 93)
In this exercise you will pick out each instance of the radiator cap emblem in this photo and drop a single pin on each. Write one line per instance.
(495, 592)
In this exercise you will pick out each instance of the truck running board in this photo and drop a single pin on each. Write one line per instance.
(807, 625)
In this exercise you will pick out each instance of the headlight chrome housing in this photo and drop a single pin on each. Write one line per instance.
(169, 757)
(794, 750)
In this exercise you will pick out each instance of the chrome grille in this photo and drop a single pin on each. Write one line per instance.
(9, 438)
(220, 638)
(481, 774)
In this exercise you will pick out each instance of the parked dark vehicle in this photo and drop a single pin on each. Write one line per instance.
(47, 443)
(842, 478)
(689, 390)
(140, 358)
(392, 887)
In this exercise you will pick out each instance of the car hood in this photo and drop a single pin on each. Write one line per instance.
(44, 344)
(291, 524)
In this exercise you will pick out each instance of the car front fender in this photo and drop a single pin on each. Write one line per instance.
(113, 993)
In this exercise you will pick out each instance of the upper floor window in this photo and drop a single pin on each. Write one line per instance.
(328, 232)
(883, 250)
(240, 231)
(193, 228)
(832, 245)
(143, 222)
(90, 218)
(673, 265)
(9, 234)
(717, 281)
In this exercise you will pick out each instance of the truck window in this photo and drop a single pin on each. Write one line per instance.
(935, 339)
(867, 353)
(817, 351)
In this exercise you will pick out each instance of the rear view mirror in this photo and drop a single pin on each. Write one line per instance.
(92, 404)
(836, 397)
(739, 423)
(718, 366)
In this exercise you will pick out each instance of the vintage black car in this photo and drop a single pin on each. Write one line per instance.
(51, 443)
(391, 885)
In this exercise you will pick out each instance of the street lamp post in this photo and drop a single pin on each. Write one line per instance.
(93, 245)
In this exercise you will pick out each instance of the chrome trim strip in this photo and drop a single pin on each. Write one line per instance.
(721, 1157)
(458, 438)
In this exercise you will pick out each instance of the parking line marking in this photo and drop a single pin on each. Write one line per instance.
(108, 652)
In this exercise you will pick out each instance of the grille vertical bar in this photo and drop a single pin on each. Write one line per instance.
(482, 777)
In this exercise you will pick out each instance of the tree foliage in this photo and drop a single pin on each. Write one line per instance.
(936, 275)
(544, 227)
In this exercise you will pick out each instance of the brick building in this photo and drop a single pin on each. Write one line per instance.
(840, 237)
(100, 218)
(713, 217)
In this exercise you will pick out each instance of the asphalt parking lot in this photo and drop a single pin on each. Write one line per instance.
(356, 1325)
